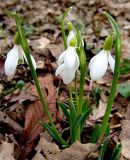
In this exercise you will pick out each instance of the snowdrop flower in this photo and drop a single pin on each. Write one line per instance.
(99, 63)
(68, 63)
(15, 55)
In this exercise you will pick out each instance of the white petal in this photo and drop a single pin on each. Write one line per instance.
(60, 70)
(111, 61)
(32, 58)
(70, 58)
(98, 65)
(68, 76)
(11, 62)
(77, 63)
(34, 62)
(70, 36)
(61, 58)
(96, 56)
(83, 42)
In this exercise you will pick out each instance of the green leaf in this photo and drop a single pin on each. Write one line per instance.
(125, 67)
(105, 144)
(63, 107)
(103, 149)
(124, 89)
(72, 111)
(85, 105)
(117, 152)
(75, 127)
(54, 134)
(96, 134)
(72, 116)
(50, 131)
(85, 116)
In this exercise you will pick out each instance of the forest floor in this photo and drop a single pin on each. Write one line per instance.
(21, 135)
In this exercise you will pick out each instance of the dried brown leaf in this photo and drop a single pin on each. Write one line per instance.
(4, 118)
(40, 44)
(99, 111)
(35, 113)
(7, 151)
(51, 151)
(125, 135)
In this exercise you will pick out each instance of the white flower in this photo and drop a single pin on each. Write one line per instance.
(68, 63)
(99, 64)
(13, 57)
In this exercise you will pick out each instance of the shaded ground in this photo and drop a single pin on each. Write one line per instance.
(20, 109)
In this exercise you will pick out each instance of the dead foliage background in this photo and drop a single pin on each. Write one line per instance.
(20, 110)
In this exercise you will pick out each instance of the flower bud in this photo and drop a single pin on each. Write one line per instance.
(70, 26)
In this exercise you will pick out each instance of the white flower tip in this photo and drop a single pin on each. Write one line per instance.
(11, 62)
(34, 62)
(111, 61)
(98, 65)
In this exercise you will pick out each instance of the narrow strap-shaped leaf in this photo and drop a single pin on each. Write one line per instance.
(63, 107)
(103, 149)
(50, 131)
(85, 116)
(72, 111)
(117, 152)
(85, 105)
(96, 134)
(75, 127)
(53, 134)
(72, 116)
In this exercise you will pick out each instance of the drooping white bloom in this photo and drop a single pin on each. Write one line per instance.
(68, 63)
(99, 64)
(13, 57)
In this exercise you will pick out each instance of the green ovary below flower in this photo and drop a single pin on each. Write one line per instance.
(99, 64)
(15, 55)
(68, 63)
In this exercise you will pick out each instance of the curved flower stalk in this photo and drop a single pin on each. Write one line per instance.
(68, 63)
(99, 63)
(14, 56)
(117, 46)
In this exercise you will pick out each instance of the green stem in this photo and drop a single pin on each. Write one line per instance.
(63, 26)
(82, 57)
(76, 91)
(70, 93)
(81, 92)
(116, 73)
(25, 47)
